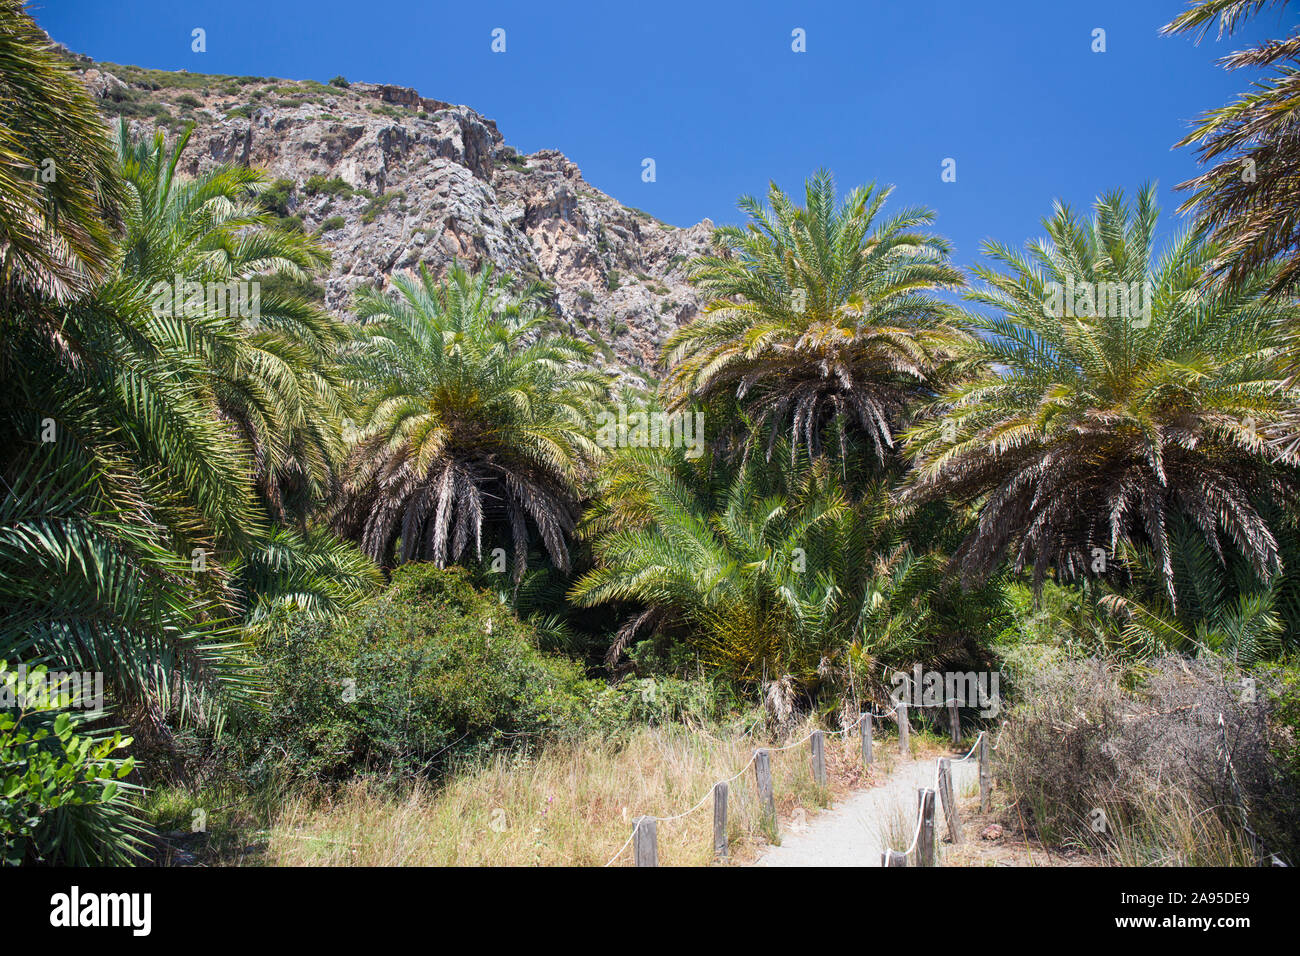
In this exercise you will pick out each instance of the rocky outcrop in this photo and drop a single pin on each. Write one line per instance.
(392, 180)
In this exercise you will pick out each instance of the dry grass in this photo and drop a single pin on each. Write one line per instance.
(569, 805)
(1171, 831)
(896, 828)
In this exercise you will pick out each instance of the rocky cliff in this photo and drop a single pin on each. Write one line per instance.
(390, 180)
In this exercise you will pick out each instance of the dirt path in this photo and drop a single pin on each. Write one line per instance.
(851, 833)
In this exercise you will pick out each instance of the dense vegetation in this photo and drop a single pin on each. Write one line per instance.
(302, 550)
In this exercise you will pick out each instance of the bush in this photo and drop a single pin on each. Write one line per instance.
(341, 82)
(1151, 764)
(62, 796)
(332, 223)
(131, 104)
(431, 670)
(1282, 684)
(330, 187)
(277, 197)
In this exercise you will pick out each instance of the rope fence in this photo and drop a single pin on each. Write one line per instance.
(644, 836)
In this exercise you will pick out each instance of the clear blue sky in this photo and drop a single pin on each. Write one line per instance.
(713, 92)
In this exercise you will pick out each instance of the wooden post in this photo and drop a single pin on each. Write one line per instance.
(986, 774)
(864, 728)
(954, 722)
(925, 844)
(720, 820)
(893, 858)
(645, 843)
(818, 743)
(949, 799)
(903, 728)
(766, 801)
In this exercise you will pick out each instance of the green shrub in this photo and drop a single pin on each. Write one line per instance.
(190, 100)
(132, 104)
(341, 82)
(319, 185)
(62, 794)
(507, 156)
(1283, 687)
(330, 224)
(164, 79)
(432, 669)
(275, 198)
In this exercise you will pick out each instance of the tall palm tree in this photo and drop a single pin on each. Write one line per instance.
(1117, 394)
(1248, 195)
(58, 186)
(819, 315)
(274, 376)
(134, 449)
(475, 415)
(133, 437)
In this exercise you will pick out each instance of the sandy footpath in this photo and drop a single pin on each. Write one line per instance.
(850, 834)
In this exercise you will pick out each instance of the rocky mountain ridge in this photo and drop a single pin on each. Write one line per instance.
(391, 180)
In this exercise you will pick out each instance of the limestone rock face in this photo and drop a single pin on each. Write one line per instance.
(425, 182)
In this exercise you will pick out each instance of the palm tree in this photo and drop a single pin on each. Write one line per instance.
(1117, 395)
(89, 583)
(274, 375)
(475, 415)
(311, 572)
(776, 575)
(135, 447)
(135, 437)
(1247, 197)
(58, 186)
(819, 315)
(1227, 612)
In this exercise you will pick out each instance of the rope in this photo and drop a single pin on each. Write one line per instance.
(833, 733)
(630, 838)
(1253, 837)
(916, 834)
(972, 749)
(703, 800)
(893, 710)
(790, 746)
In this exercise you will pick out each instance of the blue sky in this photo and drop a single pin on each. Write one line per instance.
(713, 92)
